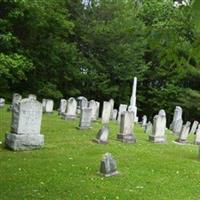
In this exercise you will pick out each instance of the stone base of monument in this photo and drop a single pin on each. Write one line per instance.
(99, 141)
(157, 139)
(128, 138)
(19, 142)
(179, 141)
(116, 173)
(66, 117)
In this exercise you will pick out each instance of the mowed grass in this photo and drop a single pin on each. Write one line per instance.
(67, 167)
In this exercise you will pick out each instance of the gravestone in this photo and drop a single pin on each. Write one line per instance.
(63, 106)
(44, 104)
(82, 102)
(126, 128)
(144, 121)
(112, 102)
(148, 128)
(85, 118)
(177, 122)
(102, 136)
(97, 109)
(194, 127)
(49, 106)
(108, 166)
(122, 108)
(71, 109)
(15, 99)
(2, 102)
(158, 129)
(114, 114)
(32, 96)
(184, 133)
(106, 112)
(93, 106)
(197, 136)
(25, 127)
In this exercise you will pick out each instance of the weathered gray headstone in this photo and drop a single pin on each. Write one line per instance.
(93, 106)
(194, 127)
(2, 102)
(122, 108)
(112, 102)
(144, 121)
(126, 128)
(85, 118)
(82, 102)
(102, 136)
(177, 122)
(148, 128)
(114, 114)
(63, 106)
(106, 112)
(197, 136)
(15, 99)
(49, 106)
(32, 96)
(97, 109)
(71, 109)
(158, 130)
(108, 166)
(25, 127)
(44, 104)
(184, 133)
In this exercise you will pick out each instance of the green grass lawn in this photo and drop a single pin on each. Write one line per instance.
(66, 168)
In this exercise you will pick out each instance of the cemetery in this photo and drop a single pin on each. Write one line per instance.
(99, 100)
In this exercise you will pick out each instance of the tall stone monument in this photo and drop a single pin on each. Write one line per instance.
(158, 129)
(25, 127)
(126, 128)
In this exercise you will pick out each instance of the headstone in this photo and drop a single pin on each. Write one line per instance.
(144, 121)
(102, 136)
(49, 106)
(71, 109)
(97, 109)
(148, 128)
(126, 128)
(25, 127)
(93, 106)
(112, 102)
(114, 114)
(122, 108)
(82, 102)
(133, 107)
(32, 96)
(158, 130)
(15, 99)
(2, 102)
(106, 112)
(63, 106)
(177, 122)
(194, 127)
(197, 136)
(184, 133)
(85, 118)
(108, 166)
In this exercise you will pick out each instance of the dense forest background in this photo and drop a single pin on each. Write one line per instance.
(64, 48)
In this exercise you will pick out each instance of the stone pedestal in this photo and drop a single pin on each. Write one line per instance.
(157, 139)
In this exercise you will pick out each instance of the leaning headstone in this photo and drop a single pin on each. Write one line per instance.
(49, 106)
(102, 136)
(197, 136)
(106, 112)
(148, 128)
(25, 127)
(184, 133)
(93, 106)
(85, 118)
(194, 127)
(114, 114)
(63, 106)
(2, 102)
(32, 96)
(108, 166)
(144, 121)
(126, 128)
(122, 108)
(177, 122)
(112, 102)
(158, 130)
(71, 109)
